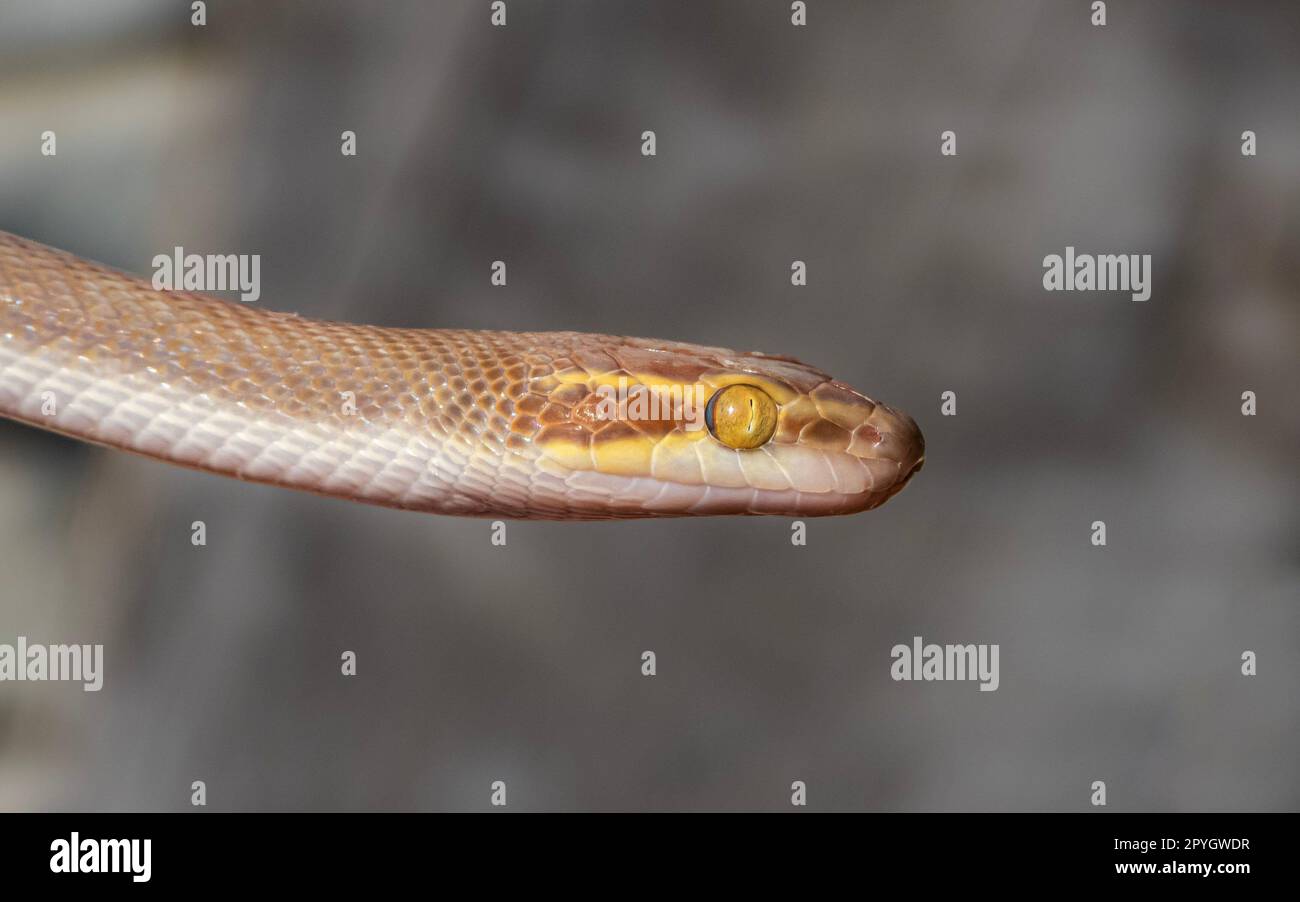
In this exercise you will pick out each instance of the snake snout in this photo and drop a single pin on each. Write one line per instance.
(889, 445)
(901, 441)
(906, 473)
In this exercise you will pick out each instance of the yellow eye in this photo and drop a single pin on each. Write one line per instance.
(741, 416)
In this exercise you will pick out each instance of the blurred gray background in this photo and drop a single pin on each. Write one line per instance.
(775, 143)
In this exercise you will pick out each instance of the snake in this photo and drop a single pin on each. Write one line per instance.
(515, 425)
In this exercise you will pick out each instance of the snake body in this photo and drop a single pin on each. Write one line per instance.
(447, 421)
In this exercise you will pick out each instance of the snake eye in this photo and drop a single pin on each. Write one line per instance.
(741, 416)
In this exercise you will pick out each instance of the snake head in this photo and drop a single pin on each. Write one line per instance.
(671, 429)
